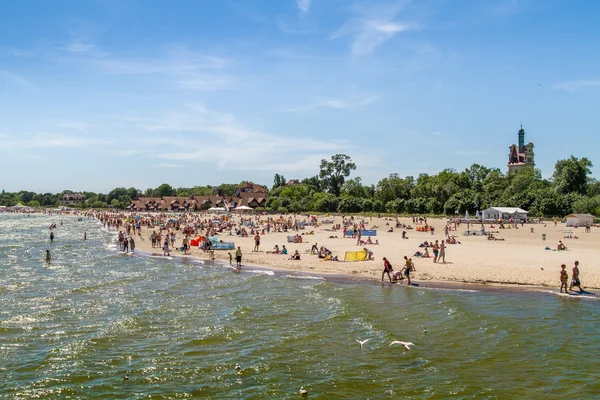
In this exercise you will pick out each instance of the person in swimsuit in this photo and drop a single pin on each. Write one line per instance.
(256, 242)
(406, 270)
(575, 278)
(238, 258)
(47, 256)
(564, 278)
(436, 250)
(387, 268)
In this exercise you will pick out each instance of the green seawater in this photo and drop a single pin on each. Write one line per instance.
(75, 328)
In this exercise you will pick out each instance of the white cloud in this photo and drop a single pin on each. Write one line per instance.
(572, 86)
(75, 125)
(132, 66)
(197, 134)
(339, 104)
(304, 5)
(436, 133)
(16, 78)
(370, 34)
(168, 165)
(78, 47)
(47, 140)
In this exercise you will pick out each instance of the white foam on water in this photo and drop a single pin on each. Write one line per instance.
(316, 278)
(571, 296)
(257, 271)
(443, 289)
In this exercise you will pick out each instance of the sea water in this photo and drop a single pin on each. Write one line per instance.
(177, 329)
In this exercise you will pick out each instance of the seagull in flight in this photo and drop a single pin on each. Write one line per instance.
(362, 342)
(405, 344)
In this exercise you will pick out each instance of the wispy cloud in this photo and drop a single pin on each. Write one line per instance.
(15, 78)
(304, 5)
(573, 86)
(124, 66)
(202, 135)
(374, 25)
(339, 104)
(75, 125)
(51, 140)
(370, 34)
(168, 165)
(78, 46)
(437, 133)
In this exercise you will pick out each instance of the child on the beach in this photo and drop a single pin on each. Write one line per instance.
(230, 259)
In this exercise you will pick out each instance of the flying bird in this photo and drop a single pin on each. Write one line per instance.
(126, 377)
(405, 344)
(238, 368)
(362, 342)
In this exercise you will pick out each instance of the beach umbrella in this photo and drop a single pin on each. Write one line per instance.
(477, 214)
(483, 216)
(467, 214)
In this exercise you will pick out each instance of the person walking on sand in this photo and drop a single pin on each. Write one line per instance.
(166, 251)
(442, 252)
(387, 268)
(186, 245)
(238, 258)
(575, 278)
(564, 277)
(47, 256)
(256, 242)
(436, 251)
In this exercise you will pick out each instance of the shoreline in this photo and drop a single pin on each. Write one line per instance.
(474, 286)
(519, 261)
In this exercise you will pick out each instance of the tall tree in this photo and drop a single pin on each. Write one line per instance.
(165, 190)
(278, 180)
(571, 175)
(334, 172)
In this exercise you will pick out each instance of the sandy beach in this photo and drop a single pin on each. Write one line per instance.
(519, 259)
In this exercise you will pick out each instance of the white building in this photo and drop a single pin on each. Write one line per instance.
(505, 213)
(579, 219)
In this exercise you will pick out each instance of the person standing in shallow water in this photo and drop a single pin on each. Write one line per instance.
(387, 268)
(238, 258)
(47, 256)
(575, 278)
(51, 237)
(564, 278)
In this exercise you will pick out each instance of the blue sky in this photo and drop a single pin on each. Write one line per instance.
(104, 93)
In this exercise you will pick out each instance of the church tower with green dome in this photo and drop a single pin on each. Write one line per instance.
(520, 156)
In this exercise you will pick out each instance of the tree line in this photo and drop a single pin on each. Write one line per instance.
(571, 188)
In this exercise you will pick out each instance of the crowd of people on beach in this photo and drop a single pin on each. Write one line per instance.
(167, 228)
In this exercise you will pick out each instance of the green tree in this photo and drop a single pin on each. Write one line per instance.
(278, 180)
(394, 187)
(165, 190)
(354, 188)
(334, 172)
(350, 205)
(571, 175)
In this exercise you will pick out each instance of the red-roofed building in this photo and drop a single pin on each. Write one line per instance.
(520, 156)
